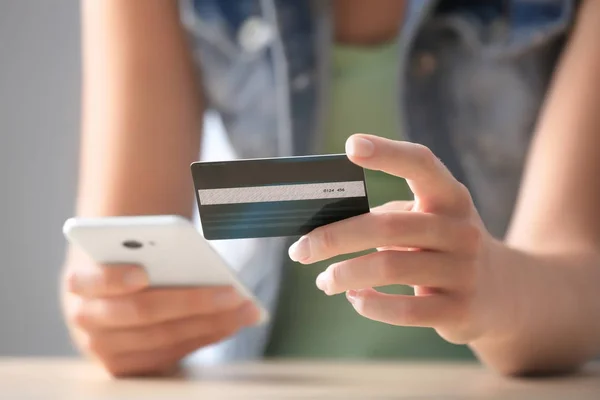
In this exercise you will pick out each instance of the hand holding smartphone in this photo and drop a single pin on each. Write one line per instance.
(169, 248)
(136, 322)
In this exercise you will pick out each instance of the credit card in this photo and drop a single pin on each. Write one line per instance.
(274, 197)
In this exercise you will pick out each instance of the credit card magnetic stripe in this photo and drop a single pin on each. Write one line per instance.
(275, 171)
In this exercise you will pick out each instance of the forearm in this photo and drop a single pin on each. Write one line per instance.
(548, 311)
(549, 267)
(141, 110)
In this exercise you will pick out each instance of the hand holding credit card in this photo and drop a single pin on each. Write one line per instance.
(272, 197)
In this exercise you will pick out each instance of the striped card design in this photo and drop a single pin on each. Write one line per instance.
(288, 196)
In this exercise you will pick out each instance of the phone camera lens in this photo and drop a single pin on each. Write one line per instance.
(132, 244)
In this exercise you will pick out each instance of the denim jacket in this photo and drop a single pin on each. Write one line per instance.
(473, 76)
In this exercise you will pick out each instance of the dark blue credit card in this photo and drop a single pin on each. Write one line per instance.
(273, 197)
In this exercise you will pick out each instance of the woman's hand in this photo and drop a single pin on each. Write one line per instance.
(131, 329)
(436, 243)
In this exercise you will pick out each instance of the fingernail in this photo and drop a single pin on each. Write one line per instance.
(351, 295)
(135, 278)
(360, 147)
(300, 251)
(249, 315)
(227, 298)
(322, 282)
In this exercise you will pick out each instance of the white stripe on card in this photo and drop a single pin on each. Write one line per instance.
(261, 194)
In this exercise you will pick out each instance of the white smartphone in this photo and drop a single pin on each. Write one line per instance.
(168, 247)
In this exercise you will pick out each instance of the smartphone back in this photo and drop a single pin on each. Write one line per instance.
(170, 248)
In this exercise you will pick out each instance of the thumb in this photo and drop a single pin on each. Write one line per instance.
(95, 280)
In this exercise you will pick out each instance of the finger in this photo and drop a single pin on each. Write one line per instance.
(95, 280)
(394, 268)
(431, 182)
(154, 306)
(399, 205)
(171, 333)
(418, 311)
(382, 229)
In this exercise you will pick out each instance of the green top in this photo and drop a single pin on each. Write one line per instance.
(309, 323)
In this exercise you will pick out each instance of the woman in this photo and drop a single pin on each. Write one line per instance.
(460, 80)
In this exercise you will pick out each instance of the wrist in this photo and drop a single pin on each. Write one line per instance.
(501, 306)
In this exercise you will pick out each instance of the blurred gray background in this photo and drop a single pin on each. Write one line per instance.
(39, 119)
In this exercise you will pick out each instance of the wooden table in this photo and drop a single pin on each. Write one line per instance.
(72, 379)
